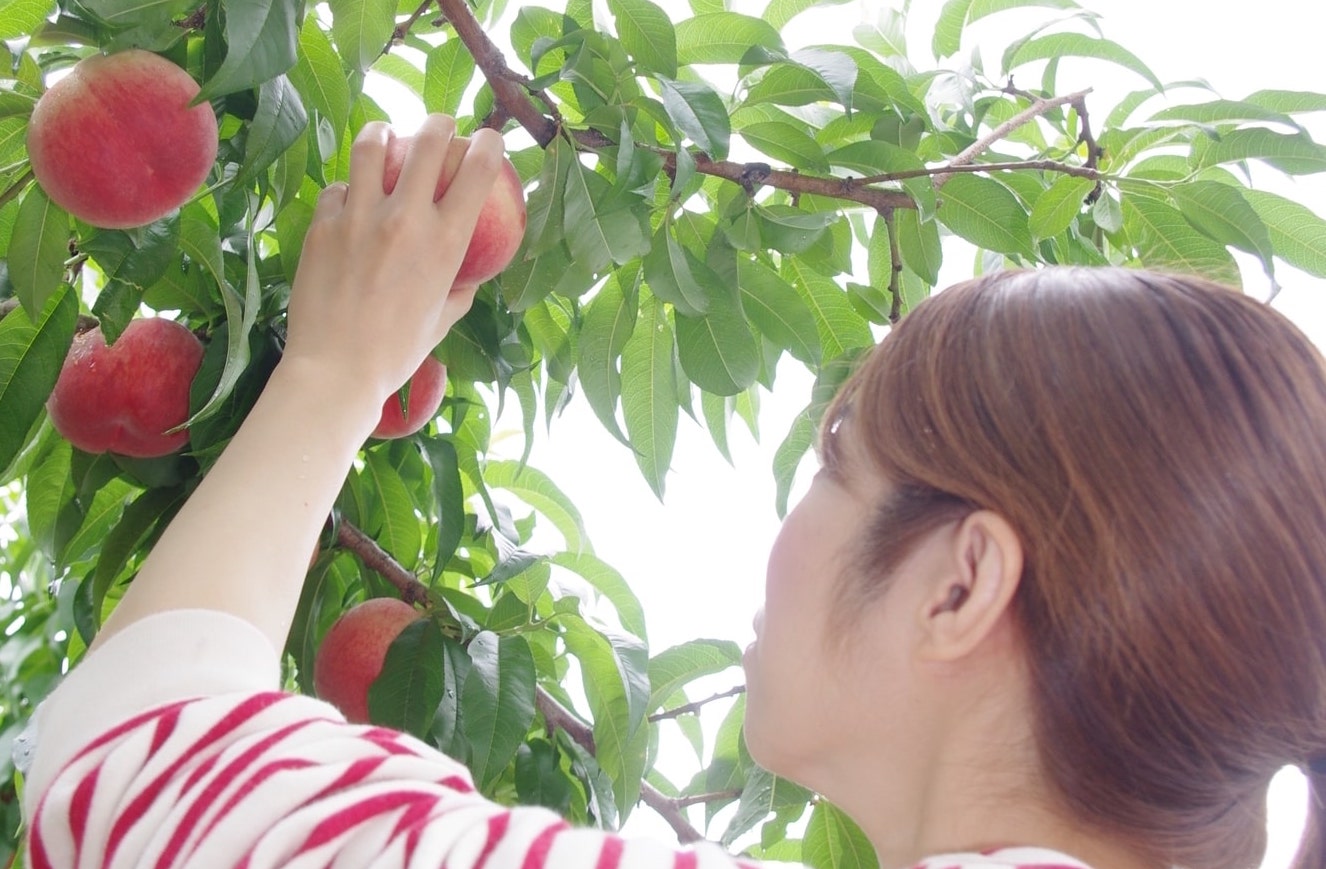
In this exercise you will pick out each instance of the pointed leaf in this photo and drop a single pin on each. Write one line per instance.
(1293, 153)
(699, 112)
(261, 38)
(38, 249)
(447, 73)
(362, 29)
(497, 702)
(1298, 235)
(1165, 240)
(1060, 45)
(672, 669)
(279, 122)
(406, 694)
(723, 37)
(536, 489)
(1056, 207)
(647, 35)
(986, 213)
(774, 307)
(649, 393)
(947, 38)
(717, 351)
(32, 350)
(1220, 211)
(609, 320)
(319, 78)
(834, 841)
(611, 584)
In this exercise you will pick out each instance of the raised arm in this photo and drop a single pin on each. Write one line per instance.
(369, 302)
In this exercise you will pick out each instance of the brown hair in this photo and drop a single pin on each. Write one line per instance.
(1159, 445)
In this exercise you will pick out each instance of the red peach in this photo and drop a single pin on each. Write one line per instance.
(124, 398)
(427, 386)
(116, 143)
(352, 653)
(501, 224)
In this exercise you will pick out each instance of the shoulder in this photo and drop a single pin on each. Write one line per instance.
(1004, 858)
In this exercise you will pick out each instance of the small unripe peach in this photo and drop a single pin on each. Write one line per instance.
(353, 651)
(124, 398)
(501, 224)
(427, 386)
(116, 143)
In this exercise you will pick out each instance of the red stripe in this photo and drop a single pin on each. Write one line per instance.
(496, 830)
(684, 859)
(165, 727)
(223, 779)
(355, 773)
(457, 783)
(611, 854)
(247, 709)
(346, 819)
(129, 724)
(537, 854)
(80, 806)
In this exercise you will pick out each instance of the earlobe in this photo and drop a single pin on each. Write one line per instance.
(973, 597)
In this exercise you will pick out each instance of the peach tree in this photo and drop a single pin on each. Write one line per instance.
(705, 199)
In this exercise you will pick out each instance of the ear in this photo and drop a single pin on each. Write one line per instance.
(971, 596)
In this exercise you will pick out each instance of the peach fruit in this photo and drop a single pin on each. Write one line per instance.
(427, 386)
(123, 398)
(501, 224)
(353, 651)
(116, 143)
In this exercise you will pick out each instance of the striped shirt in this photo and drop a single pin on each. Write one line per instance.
(193, 759)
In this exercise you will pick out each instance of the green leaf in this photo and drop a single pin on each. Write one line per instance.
(717, 351)
(406, 694)
(540, 779)
(672, 669)
(646, 33)
(449, 494)
(986, 213)
(22, 17)
(947, 38)
(609, 321)
(786, 142)
(1222, 112)
(318, 77)
(279, 122)
(1220, 211)
(774, 308)
(1289, 102)
(399, 530)
(598, 237)
(763, 794)
(362, 29)
(919, 245)
(402, 71)
(447, 73)
(668, 271)
(1056, 207)
(788, 456)
(837, 69)
(32, 350)
(723, 37)
(699, 112)
(716, 414)
(497, 703)
(1298, 235)
(38, 249)
(129, 533)
(1165, 240)
(1292, 153)
(611, 584)
(834, 841)
(536, 489)
(1060, 45)
(98, 519)
(261, 37)
(649, 393)
(779, 12)
(840, 327)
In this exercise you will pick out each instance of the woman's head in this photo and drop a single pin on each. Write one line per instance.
(1158, 444)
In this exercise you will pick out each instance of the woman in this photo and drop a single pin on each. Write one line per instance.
(1056, 599)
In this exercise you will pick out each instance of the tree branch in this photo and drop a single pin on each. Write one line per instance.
(697, 705)
(895, 267)
(696, 800)
(557, 715)
(1037, 109)
(950, 169)
(402, 30)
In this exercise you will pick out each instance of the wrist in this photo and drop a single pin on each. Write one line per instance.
(325, 397)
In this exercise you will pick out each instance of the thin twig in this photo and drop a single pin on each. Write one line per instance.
(895, 268)
(697, 705)
(1038, 108)
(413, 591)
(402, 30)
(683, 802)
(949, 169)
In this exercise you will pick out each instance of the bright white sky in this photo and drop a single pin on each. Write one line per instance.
(697, 562)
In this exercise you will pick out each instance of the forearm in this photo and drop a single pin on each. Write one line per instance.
(242, 541)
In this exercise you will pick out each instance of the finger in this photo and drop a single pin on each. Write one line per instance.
(330, 201)
(368, 159)
(461, 204)
(459, 300)
(427, 157)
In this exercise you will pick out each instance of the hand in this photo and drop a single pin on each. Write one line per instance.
(373, 293)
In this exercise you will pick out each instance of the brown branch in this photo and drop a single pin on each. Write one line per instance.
(1037, 109)
(413, 591)
(697, 705)
(375, 557)
(949, 169)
